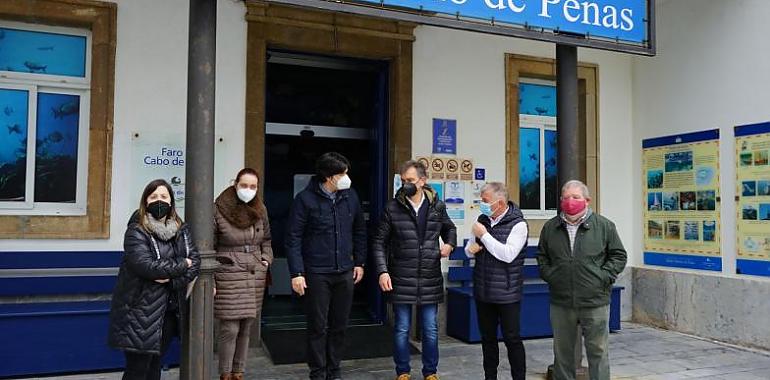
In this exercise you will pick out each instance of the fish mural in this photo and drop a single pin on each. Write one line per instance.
(8, 110)
(15, 128)
(43, 53)
(35, 67)
(55, 154)
(65, 109)
(529, 168)
(537, 99)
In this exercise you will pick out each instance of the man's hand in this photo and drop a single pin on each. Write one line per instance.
(265, 263)
(189, 262)
(358, 274)
(474, 248)
(298, 284)
(385, 283)
(446, 249)
(478, 230)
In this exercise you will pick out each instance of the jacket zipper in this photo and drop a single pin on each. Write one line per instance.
(419, 246)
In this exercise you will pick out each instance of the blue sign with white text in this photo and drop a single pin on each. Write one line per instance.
(444, 136)
(622, 20)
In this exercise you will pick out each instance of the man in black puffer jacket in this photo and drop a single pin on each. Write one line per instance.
(408, 262)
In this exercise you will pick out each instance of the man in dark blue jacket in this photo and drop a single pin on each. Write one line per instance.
(326, 250)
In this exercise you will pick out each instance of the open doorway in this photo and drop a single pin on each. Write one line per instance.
(313, 105)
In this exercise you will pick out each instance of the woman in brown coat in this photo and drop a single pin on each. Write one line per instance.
(242, 234)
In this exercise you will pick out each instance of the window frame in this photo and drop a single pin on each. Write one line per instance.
(37, 84)
(542, 124)
(524, 68)
(99, 19)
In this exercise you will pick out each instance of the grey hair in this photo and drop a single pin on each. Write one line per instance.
(497, 188)
(422, 171)
(575, 183)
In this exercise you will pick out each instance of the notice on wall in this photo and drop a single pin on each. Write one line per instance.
(444, 136)
(752, 148)
(681, 201)
(454, 197)
(158, 158)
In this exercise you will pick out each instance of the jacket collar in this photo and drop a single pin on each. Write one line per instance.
(513, 213)
(585, 221)
(430, 196)
(240, 214)
(315, 187)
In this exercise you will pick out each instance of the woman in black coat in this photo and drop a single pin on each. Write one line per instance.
(149, 299)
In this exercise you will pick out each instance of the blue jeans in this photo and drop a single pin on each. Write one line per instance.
(427, 314)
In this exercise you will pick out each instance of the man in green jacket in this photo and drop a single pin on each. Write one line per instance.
(580, 255)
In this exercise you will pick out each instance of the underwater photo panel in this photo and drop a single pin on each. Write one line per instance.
(14, 116)
(28, 51)
(56, 153)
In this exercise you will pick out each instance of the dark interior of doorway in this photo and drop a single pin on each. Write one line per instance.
(316, 104)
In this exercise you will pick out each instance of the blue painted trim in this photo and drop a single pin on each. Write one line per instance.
(683, 261)
(752, 129)
(63, 259)
(35, 286)
(712, 134)
(753, 267)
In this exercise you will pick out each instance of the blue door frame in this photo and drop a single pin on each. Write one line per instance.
(380, 191)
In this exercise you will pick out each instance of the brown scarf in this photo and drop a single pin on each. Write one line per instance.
(240, 214)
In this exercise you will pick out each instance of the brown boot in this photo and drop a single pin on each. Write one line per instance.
(236, 376)
(225, 376)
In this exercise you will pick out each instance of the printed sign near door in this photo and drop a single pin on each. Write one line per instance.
(153, 158)
(444, 136)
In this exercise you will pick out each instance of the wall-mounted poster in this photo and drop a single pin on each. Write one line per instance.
(681, 201)
(752, 172)
(154, 157)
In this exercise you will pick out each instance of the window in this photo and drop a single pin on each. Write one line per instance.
(57, 80)
(44, 89)
(531, 149)
(538, 193)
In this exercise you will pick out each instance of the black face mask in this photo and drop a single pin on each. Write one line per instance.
(159, 209)
(409, 188)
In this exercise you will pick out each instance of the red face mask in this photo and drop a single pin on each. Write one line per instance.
(572, 206)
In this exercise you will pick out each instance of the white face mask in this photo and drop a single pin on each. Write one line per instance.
(246, 195)
(344, 183)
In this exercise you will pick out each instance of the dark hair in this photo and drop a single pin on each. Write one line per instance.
(330, 164)
(422, 171)
(255, 203)
(149, 189)
(246, 171)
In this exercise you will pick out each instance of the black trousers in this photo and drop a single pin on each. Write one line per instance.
(328, 299)
(490, 316)
(141, 366)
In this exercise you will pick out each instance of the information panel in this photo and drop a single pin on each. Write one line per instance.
(681, 201)
(752, 172)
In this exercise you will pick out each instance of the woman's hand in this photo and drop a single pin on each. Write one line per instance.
(162, 280)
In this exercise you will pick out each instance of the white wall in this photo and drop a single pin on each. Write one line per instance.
(710, 72)
(461, 75)
(151, 98)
